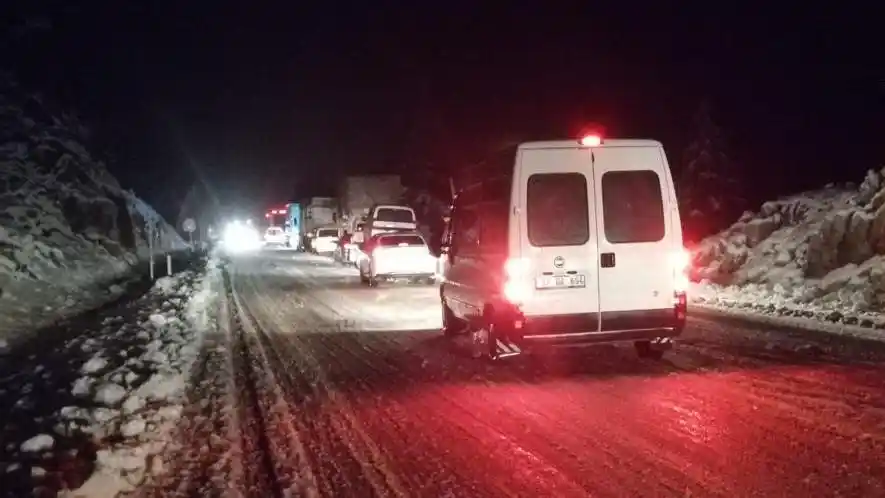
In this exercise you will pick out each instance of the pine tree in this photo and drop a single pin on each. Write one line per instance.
(709, 187)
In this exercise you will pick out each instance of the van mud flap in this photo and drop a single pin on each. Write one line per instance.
(486, 345)
(504, 348)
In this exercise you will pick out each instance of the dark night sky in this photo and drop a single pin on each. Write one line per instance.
(268, 99)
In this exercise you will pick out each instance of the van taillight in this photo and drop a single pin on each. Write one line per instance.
(516, 267)
(516, 288)
(680, 305)
(680, 262)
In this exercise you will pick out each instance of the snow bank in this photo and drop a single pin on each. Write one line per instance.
(137, 404)
(67, 228)
(818, 255)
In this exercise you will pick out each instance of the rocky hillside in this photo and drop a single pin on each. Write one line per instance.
(68, 231)
(817, 253)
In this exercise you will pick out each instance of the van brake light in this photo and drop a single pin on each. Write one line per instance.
(516, 267)
(681, 264)
(515, 289)
(680, 260)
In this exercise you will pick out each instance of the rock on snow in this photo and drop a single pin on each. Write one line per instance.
(137, 419)
(818, 255)
(38, 443)
(67, 227)
(110, 394)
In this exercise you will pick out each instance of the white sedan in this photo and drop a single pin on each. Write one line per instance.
(394, 256)
(274, 236)
(325, 241)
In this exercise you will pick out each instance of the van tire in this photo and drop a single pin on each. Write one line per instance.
(452, 325)
(487, 352)
(647, 350)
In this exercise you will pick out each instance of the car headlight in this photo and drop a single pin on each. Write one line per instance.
(240, 238)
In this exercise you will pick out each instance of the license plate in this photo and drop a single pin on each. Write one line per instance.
(561, 281)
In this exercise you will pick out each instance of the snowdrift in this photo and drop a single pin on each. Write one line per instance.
(67, 228)
(819, 255)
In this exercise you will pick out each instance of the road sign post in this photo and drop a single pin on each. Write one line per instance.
(190, 226)
(149, 228)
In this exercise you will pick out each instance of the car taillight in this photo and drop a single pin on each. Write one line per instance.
(516, 289)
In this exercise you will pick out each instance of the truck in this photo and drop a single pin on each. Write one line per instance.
(358, 194)
(319, 212)
(292, 226)
(356, 197)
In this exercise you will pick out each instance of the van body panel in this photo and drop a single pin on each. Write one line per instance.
(557, 235)
(592, 231)
(635, 229)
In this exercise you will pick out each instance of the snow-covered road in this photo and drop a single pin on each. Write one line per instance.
(316, 386)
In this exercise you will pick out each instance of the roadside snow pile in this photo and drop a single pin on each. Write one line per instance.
(136, 404)
(67, 228)
(818, 255)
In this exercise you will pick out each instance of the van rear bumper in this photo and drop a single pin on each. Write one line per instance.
(397, 275)
(585, 328)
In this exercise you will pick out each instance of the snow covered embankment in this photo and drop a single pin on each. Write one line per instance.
(817, 256)
(68, 231)
(139, 401)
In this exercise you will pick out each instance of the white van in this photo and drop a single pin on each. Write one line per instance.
(389, 218)
(582, 243)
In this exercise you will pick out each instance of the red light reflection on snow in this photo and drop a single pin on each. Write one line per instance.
(760, 430)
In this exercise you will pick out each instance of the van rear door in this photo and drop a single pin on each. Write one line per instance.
(634, 233)
(556, 232)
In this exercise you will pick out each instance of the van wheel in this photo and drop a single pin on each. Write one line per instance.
(647, 350)
(372, 281)
(482, 344)
(452, 325)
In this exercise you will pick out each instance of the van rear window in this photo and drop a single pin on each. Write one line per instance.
(632, 207)
(395, 215)
(557, 209)
(395, 240)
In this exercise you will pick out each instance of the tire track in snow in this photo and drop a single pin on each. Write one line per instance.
(459, 421)
(283, 456)
(297, 346)
(204, 462)
(346, 432)
(723, 423)
(665, 446)
(260, 471)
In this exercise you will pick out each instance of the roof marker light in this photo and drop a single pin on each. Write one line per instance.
(591, 141)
